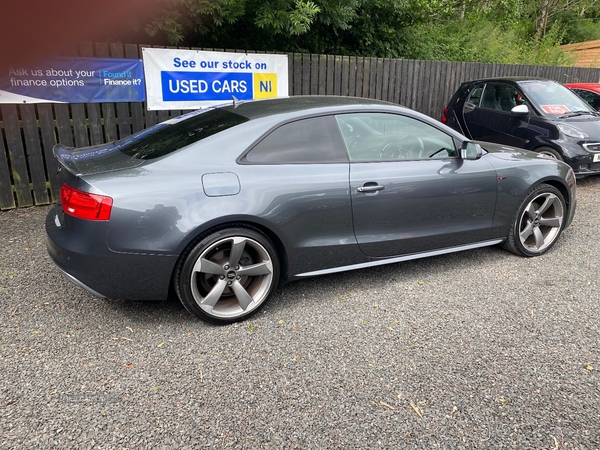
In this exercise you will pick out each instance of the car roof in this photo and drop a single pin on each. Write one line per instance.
(515, 79)
(278, 106)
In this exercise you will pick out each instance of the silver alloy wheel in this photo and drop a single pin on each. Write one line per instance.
(541, 222)
(233, 276)
(547, 153)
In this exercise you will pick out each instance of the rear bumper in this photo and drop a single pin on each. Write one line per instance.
(77, 282)
(80, 251)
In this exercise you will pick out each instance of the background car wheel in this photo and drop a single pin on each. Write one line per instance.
(538, 222)
(548, 151)
(228, 276)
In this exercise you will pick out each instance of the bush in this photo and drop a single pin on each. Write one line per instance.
(482, 40)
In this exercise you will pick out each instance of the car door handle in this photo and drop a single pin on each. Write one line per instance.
(370, 188)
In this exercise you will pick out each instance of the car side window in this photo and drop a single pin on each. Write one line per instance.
(313, 140)
(489, 99)
(384, 137)
(508, 97)
(500, 96)
(475, 96)
(590, 97)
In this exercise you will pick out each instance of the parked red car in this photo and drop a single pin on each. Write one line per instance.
(590, 92)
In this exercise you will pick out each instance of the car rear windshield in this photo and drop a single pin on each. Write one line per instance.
(171, 135)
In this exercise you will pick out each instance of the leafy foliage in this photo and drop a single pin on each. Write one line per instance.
(483, 41)
(502, 31)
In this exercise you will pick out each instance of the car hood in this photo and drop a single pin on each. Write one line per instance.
(588, 124)
(509, 153)
(95, 159)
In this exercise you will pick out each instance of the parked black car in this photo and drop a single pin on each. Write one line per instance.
(224, 203)
(535, 114)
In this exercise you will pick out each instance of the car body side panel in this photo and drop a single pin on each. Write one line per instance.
(306, 206)
(424, 204)
(497, 126)
(516, 170)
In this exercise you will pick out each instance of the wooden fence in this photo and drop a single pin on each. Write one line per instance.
(28, 132)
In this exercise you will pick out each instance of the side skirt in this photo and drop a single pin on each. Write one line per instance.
(381, 262)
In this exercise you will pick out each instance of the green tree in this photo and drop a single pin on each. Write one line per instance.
(185, 20)
(506, 31)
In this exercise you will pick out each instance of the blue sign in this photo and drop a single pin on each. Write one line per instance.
(74, 80)
(192, 86)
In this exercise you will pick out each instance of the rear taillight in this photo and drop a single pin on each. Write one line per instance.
(444, 119)
(85, 205)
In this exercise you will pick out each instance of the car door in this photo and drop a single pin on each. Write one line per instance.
(487, 115)
(410, 190)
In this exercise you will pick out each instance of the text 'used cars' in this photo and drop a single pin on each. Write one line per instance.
(222, 204)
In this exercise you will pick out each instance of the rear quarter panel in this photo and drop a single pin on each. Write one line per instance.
(162, 207)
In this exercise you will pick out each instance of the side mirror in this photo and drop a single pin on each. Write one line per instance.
(520, 110)
(470, 150)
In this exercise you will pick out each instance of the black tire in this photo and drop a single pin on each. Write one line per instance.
(228, 275)
(549, 151)
(538, 223)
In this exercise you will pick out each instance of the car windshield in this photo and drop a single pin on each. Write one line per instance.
(171, 135)
(553, 99)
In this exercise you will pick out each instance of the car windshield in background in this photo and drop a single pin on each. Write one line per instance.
(169, 136)
(554, 99)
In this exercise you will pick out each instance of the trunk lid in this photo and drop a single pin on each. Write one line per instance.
(107, 157)
(95, 159)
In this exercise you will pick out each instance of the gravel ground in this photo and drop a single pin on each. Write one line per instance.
(480, 349)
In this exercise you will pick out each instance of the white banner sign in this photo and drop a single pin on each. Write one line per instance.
(189, 79)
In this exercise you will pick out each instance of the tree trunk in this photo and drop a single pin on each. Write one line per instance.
(542, 19)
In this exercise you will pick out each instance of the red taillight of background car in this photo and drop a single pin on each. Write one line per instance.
(444, 119)
(84, 205)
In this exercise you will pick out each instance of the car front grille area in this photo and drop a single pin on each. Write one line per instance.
(593, 147)
(592, 168)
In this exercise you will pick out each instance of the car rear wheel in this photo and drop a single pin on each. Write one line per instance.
(538, 222)
(228, 276)
(548, 151)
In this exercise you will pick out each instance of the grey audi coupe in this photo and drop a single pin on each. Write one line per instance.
(223, 204)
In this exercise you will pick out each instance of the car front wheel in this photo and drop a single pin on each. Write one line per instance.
(538, 222)
(550, 152)
(228, 276)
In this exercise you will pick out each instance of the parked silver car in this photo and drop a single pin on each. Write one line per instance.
(222, 204)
